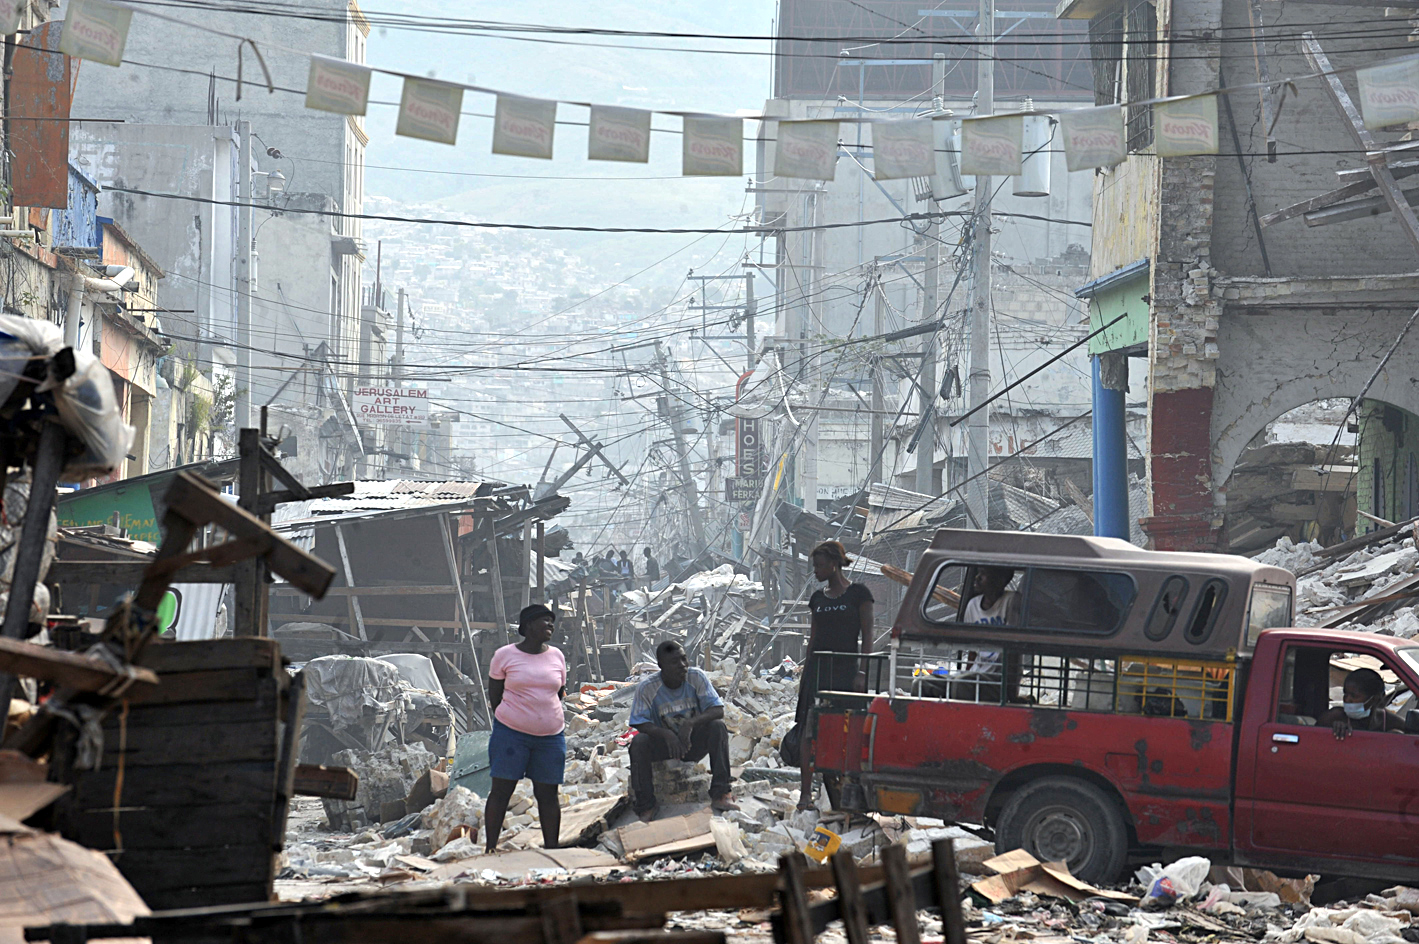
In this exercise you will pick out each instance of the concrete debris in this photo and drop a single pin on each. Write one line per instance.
(386, 776)
(1332, 591)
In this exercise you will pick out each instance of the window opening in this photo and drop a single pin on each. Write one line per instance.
(1166, 608)
(1204, 614)
(1081, 601)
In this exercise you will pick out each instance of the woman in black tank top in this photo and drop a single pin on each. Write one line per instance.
(841, 622)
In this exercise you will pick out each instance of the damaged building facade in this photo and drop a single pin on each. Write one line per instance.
(1242, 302)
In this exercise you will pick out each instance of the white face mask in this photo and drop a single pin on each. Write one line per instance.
(1356, 710)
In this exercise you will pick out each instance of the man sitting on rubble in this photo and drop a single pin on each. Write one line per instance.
(678, 714)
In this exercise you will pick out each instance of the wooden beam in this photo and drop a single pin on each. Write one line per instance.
(375, 591)
(268, 502)
(130, 573)
(355, 611)
(199, 504)
(335, 783)
(451, 558)
(499, 599)
(68, 669)
(1389, 188)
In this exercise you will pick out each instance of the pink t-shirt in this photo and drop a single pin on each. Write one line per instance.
(530, 685)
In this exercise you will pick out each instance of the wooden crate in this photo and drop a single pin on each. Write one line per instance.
(206, 772)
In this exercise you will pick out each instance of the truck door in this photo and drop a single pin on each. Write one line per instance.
(1319, 795)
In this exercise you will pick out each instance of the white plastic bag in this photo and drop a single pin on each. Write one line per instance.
(89, 409)
(1177, 882)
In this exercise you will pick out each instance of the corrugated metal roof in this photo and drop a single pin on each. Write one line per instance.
(383, 496)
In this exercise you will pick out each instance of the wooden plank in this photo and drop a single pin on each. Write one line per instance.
(901, 898)
(250, 651)
(176, 784)
(849, 897)
(499, 600)
(155, 870)
(159, 827)
(1321, 201)
(797, 921)
(143, 715)
(196, 744)
(211, 897)
(1365, 540)
(350, 582)
(947, 880)
(372, 591)
(451, 559)
(191, 499)
(223, 685)
(130, 573)
(68, 669)
(335, 783)
(373, 621)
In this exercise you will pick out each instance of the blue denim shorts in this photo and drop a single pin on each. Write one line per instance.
(513, 755)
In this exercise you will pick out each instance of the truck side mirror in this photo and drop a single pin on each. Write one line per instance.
(1411, 722)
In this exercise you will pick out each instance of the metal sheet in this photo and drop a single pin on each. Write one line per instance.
(39, 127)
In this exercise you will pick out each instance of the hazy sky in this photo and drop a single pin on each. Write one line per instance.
(667, 77)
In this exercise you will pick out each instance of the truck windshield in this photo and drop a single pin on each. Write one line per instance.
(1411, 657)
(1270, 608)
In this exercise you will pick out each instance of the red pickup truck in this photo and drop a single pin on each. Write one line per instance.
(1084, 699)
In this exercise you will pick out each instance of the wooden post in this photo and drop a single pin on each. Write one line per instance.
(948, 890)
(244, 619)
(453, 568)
(849, 897)
(588, 636)
(526, 563)
(901, 900)
(541, 562)
(793, 899)
(495, 573)
(353, 601)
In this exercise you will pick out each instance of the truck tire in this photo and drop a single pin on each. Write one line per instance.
(1065, 818)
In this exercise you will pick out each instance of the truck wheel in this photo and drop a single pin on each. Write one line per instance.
(1066, 819)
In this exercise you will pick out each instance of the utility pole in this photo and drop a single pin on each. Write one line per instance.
(810, 346)
(243, 277)
(926, 447)
(879, 316)
(751, 311)
(978, 430)
(396, 377)
(672, 416)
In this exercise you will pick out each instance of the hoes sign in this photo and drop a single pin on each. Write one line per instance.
(392, 406)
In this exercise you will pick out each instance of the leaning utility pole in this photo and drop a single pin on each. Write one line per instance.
(879, 318)
(242, 413)
(978, 430)
(671, 414)
(926, 446)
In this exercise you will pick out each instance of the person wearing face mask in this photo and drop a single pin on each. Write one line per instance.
(1363, 708)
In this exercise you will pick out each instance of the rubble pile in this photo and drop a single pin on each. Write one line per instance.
(1333, 590)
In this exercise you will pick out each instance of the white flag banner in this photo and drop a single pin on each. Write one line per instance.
(619, 134)
(335, 85)
(524, 127)
(1093, 137)
(1389, 93)
(903, 149)
(993, 146)
(10, 13)
(807, 150)
(712, 147)
(1185, 128)
(429, 110)
(96, 31)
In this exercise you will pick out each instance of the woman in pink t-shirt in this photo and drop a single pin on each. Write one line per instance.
(528, 681)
